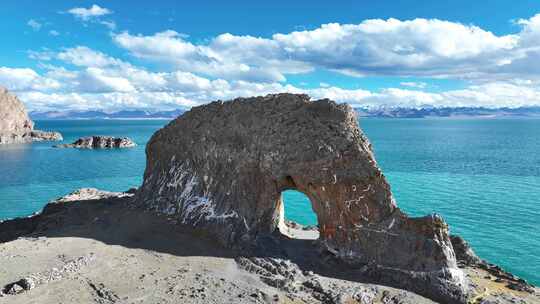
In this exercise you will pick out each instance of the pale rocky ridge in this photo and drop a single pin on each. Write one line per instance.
(100, 142)
(216, 173)
(15, 124)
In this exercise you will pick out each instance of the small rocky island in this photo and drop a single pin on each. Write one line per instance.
(207, 225)
(100, 142)
(16, 126)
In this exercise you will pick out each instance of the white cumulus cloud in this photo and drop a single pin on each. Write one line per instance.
(36, 26)
(419, 47)
(495, 70)
(86, 57)
(89, 13)
(228, 56)
(414, 84)
(25, 79)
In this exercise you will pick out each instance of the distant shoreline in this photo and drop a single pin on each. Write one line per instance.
(486, 117)
(382, 112)
(71, 119)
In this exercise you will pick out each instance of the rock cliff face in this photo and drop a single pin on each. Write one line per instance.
(13, 116)
(222, 167)
(100, 142)
(15, 124)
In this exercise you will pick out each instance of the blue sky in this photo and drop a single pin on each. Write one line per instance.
(115, 55)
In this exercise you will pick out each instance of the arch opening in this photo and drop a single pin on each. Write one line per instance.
(297, 219)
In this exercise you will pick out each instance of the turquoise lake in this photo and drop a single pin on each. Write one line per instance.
(482, 175)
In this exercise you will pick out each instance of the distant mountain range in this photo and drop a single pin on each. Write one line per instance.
(448, 112)
(382, 112)
(130, 114)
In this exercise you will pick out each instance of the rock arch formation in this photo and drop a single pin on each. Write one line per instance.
(222, 167)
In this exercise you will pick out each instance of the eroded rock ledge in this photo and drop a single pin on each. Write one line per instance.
(222, 167)
(15, 124)
(100, 142)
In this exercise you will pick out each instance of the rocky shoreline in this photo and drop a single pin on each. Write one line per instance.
(100, 142)
(28, 137)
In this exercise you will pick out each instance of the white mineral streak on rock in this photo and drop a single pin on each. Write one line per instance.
(188, 188)
(195, 207)
(282, 226)
(392, 224)
(177, 174)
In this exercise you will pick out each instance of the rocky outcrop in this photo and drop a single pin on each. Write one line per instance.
(222, 167)
(38, 135)
(15, 124)
(466, 257)
(100, 142)
(13, 115)
(464, 252)
(58, 211)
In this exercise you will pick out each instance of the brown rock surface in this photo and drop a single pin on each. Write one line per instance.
(222, 167)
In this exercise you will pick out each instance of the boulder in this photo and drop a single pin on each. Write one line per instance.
(15, 124)
(222, 168)
(100, 142)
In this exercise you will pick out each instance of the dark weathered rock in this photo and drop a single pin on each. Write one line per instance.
(13, 289)
(464, 252)
(12, 229)
(222, 167)
(15, 124)
(100, 142)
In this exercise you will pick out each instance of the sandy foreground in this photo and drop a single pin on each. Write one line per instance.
(102, 251)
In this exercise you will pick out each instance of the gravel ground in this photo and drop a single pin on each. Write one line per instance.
(101, 251)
